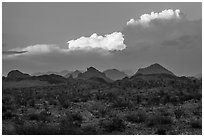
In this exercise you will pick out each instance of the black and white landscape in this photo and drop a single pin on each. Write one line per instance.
(101, 68)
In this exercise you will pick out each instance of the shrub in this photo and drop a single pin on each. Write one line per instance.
(113, 124)
(160, 131)
(8, 115)
(36, 129)
(34, 116)
(70, 125)
(178, 112)
(137, 117)
(42, 116)
(123, 102)
(159, 120)
(89, 130)
(196, 123)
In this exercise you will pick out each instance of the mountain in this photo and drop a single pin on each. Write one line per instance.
(198, 76)
(17, 75)
(114, 74)
(129, 73)
(154, 69)
(73, 74)
(52, 78)
(93, 73)
(62, 73)
(17, 79)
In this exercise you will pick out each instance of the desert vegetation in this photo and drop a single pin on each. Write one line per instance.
(129, 106)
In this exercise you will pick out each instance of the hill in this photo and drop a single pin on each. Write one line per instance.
(114, 74)
(17, 75)
(154, 69)
(61, 73)
(73, 74)
(93, 73)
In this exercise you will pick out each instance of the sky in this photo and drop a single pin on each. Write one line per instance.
(41, 37)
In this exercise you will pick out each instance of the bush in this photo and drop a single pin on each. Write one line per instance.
(122, 102)
(64, 101)
(89, 130)
(178, 112)
(196, 123)
(113, 124)
(34, 116)
(36, 129)
(159, 120)
(160, 131)
(136, 117)
(70, 125)
(8, 115)
(42, 116)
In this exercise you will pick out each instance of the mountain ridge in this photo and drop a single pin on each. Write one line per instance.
(154, 69)
(115, 74)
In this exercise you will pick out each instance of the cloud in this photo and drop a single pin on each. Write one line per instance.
(109, 42)
(103, 45)
(41, 48)
(145, 19)
(164, 29)
(32, 50)
(155, 38)
(13, 52)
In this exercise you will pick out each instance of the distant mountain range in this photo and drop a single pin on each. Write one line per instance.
(93, 73)
(198, 76)
(152, 72)
(16, 74)
(62, 73)
(73, 74)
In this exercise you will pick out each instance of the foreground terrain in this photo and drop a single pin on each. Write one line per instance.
(141, 104)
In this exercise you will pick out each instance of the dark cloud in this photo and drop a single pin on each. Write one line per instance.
(13, 52)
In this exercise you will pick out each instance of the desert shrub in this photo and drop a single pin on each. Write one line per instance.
(34, 116)
(8, 115)
(31, 103)
(178, 112)
(52, 102)
(163, 112)
(99, 109)
(160, 131)
(42, 116)
(159, 120)
(112, 124)
(196, 123)
(198, 111)
(70, 125)
(64, 101)
(6, 108)
(123, 102)
(137, 117)
(90, 130)
(36, 129)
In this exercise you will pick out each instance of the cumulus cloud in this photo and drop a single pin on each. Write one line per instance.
(145, 19)
(166, 28)
(109, 42)
(95, 43)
